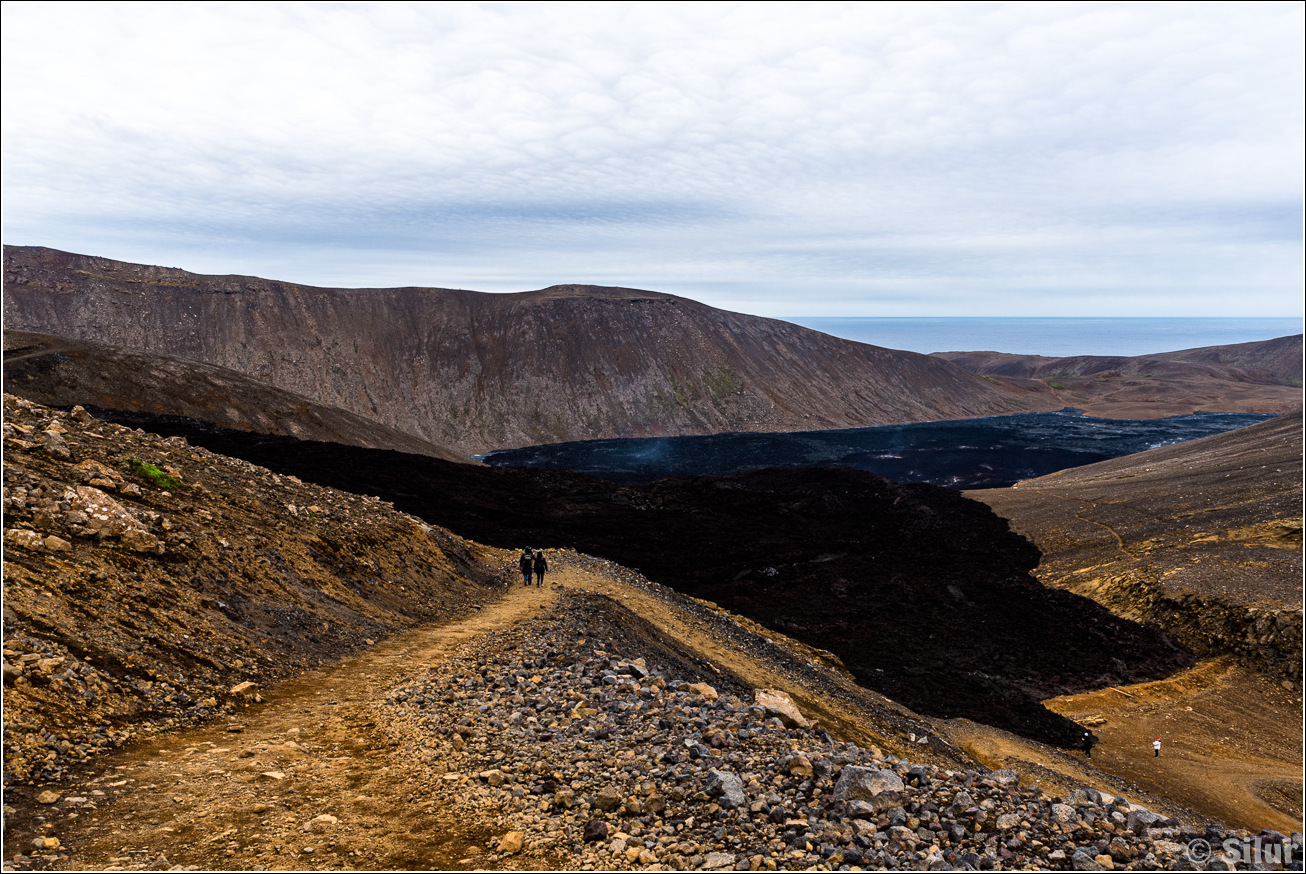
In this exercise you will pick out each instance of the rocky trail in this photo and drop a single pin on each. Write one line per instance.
(554, 728)
(252, 791)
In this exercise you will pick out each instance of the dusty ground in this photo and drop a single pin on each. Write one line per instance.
(1231, 745)
(1230, 738)
(236, 794)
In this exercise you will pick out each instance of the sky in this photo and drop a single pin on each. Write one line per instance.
(781, 159)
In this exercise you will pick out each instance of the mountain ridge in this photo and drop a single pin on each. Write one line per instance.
(477, 371)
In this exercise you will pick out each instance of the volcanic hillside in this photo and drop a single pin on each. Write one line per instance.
(67, 373)
(926, 596)
(478, 371)
(1261, 377)
(1202, 538)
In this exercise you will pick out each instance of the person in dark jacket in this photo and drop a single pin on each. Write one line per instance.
(540, 567)
(526, 564)
(1087, 742)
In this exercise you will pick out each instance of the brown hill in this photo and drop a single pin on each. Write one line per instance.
(64, 373)
(1261, 377)
(480, 371)
(1202, 538)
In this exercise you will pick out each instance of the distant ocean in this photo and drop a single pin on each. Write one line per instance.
(1053, 337)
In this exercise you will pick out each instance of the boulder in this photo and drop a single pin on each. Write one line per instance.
(703, 690)
(859, 783)
(1004, 777)
(607, 799)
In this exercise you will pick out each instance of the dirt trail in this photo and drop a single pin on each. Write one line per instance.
(238, 796)
(1231, 747)
(246, 794)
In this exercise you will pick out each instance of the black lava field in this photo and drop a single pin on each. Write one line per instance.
(925, 595)
(982, 453)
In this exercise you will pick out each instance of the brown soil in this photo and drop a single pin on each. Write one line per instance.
(211, 797)
(1230, 742)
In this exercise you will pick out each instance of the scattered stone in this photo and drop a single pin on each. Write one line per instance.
(49, 796)
(511, 843)
(780, 705)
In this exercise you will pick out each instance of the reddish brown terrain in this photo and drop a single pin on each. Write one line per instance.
(478, 371)
(1261, 377)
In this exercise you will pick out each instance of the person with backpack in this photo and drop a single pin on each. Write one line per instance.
(540, 567)
(526, 565)
(1087, 742)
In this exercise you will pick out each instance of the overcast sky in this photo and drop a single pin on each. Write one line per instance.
(780, 159)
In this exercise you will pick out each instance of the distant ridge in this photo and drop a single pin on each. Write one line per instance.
(1259, 377)
(64, 373)
(478, 371)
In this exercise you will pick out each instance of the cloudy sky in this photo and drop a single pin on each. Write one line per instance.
(781, 158)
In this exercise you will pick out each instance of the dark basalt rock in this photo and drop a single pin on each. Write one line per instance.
(924, 594)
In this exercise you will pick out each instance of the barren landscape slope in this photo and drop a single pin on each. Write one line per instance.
(602, 721)
(58, 372)
(1203, 538)
(479, 371)
(1260, 377)
(926, 596)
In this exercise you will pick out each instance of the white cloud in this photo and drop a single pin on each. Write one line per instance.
(956, 153)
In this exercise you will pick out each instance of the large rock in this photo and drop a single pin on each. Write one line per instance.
(607, 799)
(858, 783)
(727, 786)
(779, 704)
(106, 518)
(1139, 818)
(1004, 777)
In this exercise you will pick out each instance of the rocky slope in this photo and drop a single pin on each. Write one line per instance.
(924, 595)
(480, 371)
(605, 722)
(145, 578)
(1262, 377)
(1203, 538)
(58, 372)
(576, 736)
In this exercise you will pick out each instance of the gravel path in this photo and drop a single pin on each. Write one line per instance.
(597, 723)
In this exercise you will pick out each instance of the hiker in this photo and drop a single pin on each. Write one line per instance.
(1156, 748)
(540, 567)
(526, 562)
(1087, 742)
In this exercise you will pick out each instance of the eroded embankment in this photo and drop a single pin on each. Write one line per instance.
(1203, 539)
(1263, 637)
